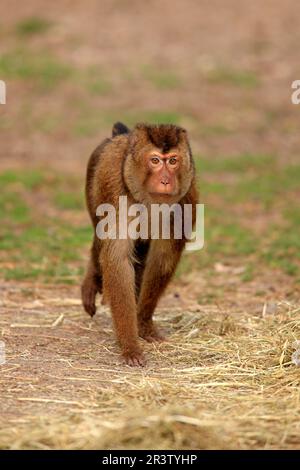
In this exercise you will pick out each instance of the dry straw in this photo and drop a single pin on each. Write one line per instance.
(221, 381)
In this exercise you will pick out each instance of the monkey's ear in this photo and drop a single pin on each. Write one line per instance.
(183, 135)
(138, 134)
(119, 128)
(183, 132)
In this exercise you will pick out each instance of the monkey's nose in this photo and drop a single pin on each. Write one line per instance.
(165, 181)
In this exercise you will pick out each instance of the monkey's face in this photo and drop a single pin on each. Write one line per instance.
(163, 170)
(159, 167)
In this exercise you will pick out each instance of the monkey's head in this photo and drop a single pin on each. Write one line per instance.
(159, 166)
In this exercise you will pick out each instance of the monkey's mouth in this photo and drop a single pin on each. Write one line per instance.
(164, 190)
(162, 196)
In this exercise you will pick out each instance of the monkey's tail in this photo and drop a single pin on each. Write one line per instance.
(119, 128)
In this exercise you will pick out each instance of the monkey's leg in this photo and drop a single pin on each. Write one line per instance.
(119, 290)
(161, 263)
(92, 284)
(139, 270)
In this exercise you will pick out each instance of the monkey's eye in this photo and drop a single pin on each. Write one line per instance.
(155, 160)
(172, 161)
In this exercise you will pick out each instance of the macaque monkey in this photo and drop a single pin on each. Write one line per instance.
(151, 164)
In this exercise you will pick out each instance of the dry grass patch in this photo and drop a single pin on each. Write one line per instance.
(223, 380)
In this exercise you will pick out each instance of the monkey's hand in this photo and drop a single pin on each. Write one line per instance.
(134, 358)
(88, 295)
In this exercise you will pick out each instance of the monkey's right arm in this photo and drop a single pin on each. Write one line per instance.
(119, 290)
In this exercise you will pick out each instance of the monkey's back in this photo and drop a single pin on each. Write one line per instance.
(102, 178)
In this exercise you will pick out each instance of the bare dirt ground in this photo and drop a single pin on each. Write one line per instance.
(224, 378)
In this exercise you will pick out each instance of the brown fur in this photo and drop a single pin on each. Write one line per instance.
(163, 137)
(132, 275)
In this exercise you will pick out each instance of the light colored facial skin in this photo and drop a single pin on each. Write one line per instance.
(163, 169)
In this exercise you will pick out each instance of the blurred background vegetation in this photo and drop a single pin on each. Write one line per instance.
(221, 69)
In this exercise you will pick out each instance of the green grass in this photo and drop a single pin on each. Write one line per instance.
(29, 180)
(283, 248)
(37, 244)
(12, 205)
(41, 244)
(225, 237)
(45, 70)
(270, 187)
(248, 274)
(46, 123)
(95, 80)
(157, 117)
(214, 130)
(90, 121)
(238, 163)
(40, 68)
(50, 251)
(235, 77)
(53, 274)
(99, 86)
(5, 123)
(161, 79)
(87, 125)
(69, 200)
(247, 177)
(32, 26)
(227, 184)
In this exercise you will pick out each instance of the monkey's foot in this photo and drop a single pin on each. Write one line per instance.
(150, 333)
(134, 359)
